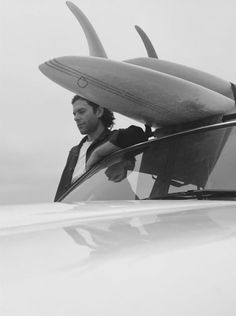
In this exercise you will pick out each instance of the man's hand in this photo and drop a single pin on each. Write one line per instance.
(116, 172)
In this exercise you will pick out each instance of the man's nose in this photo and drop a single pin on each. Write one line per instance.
(77, 117)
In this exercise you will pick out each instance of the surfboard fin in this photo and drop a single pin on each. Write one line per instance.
(96, 48)
(147, 42)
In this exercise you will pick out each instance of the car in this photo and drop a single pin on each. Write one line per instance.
(149, 230)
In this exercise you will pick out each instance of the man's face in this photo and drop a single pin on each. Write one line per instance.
(86, 118)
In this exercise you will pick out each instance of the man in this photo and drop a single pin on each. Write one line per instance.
(95, 122)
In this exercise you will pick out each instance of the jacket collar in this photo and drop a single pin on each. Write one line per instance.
(101, 137)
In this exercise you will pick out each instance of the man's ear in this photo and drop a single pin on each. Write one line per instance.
(99, 112)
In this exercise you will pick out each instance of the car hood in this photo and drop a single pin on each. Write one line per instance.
(119, 225)
(118, 258)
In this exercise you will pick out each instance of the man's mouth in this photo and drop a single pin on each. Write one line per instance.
(81, 125)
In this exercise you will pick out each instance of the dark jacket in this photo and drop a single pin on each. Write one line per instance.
(122, 138)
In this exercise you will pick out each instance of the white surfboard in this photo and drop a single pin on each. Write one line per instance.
(193, 75)
(188, 73)
(149, 96)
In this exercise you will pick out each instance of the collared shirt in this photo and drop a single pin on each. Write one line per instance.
(81, 162)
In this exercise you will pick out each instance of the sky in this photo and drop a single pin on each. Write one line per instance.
(36, 123)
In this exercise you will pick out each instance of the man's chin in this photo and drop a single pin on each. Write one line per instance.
(82, 131)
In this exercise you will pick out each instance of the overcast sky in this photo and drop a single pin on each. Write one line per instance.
(36, 123)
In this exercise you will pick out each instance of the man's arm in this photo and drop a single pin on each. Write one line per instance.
(100, 152)
(120, 139)
(128, 136)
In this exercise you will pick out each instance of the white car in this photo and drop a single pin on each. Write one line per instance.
(150, 230)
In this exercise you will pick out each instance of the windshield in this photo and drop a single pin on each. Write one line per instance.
(202, 160)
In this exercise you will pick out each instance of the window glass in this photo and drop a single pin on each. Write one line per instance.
(195, 161)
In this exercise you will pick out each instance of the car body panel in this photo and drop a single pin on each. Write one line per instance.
(118, 258)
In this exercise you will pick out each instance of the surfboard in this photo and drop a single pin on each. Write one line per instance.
(149, 96)
(187, 73)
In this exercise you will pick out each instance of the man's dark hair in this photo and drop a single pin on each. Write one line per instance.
(107, 117)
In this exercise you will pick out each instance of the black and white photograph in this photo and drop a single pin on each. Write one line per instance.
(117, 158)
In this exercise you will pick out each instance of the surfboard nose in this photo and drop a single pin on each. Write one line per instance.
(50, 71)
(46, 70)
(73, 72)
(64, 72)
